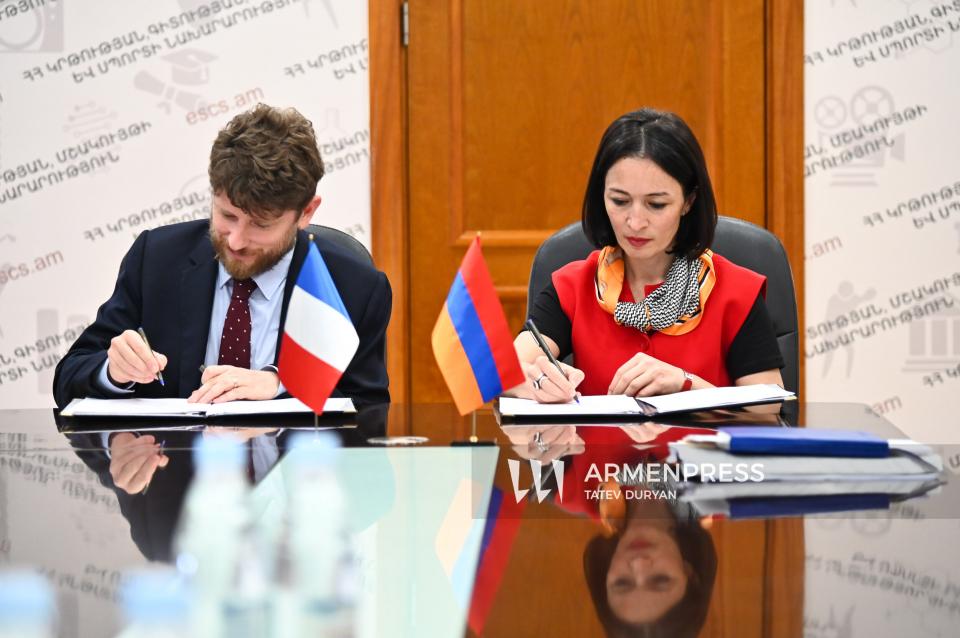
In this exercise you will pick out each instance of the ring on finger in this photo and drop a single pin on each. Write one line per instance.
(537, 382)
(538, 440)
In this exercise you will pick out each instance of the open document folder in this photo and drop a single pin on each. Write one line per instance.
(164, 408)
(793, 471)
(617, 404)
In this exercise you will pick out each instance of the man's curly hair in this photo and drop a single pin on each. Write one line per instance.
(266, 161)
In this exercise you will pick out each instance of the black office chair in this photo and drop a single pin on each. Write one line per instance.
(342, 239)
(741, 242)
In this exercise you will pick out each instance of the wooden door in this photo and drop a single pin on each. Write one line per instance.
(505, 103)
(488, 118)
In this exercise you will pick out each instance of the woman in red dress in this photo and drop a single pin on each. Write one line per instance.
(653, 310)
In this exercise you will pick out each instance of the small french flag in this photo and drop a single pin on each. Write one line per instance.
(319, 339)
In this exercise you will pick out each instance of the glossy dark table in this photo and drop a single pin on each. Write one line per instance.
(448, 549)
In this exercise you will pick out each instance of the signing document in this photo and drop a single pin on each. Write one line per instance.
(180, 407)
(614, 404)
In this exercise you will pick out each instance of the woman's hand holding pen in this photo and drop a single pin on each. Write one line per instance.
(547, 380)
(545, 444)
(546, 384)
(230, 383)
(131, 360)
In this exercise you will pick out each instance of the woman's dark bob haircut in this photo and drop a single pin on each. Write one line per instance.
(687, 617)
(666, 140)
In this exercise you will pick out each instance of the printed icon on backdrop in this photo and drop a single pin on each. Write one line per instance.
(48, 323)
(872, 524)
(870, 103)
(357, 231)
(5, 239)
(327, 5)
(330, 124)
(188, 68)
(199, 182)
(193, 5)
(4, 267)
(936, 45)
(834, 116)
(830, 112)
(833, 627)
(32, 29)
(842, 628)
(88, 119)
(934, 340)
(844, 301)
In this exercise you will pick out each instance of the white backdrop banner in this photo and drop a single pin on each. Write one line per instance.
(883, 292)
(882, 173)
(107, 113)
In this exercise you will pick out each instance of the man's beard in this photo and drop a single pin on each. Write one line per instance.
(264, 260)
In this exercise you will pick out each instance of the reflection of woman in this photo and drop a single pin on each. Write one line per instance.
(652, 574)
(653, 310)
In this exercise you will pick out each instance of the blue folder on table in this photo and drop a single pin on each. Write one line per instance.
(802, 442)
(741, 508)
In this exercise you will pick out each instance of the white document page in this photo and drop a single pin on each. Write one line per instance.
(709, 398)
(180, 407)
(277, 406)
(612, 404)
(590, 405)
(134, 407)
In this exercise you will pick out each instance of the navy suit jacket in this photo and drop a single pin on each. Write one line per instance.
(166, 285)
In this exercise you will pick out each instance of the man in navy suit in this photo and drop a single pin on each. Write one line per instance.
(178, 283)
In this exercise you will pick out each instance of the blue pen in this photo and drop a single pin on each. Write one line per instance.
(163, 445)
(143, 335)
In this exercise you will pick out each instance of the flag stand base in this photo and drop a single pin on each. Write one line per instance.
(474, 440)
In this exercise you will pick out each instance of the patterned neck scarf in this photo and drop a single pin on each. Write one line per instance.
(674, 308)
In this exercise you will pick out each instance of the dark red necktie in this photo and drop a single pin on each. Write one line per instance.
(235, 340)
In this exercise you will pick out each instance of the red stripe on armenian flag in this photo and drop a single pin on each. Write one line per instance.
(479, 284)
(454, 364)
(492, 564)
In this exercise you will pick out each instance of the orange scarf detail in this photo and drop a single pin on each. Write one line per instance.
(609, 285)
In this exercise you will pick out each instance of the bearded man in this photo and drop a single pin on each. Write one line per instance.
(212, 295)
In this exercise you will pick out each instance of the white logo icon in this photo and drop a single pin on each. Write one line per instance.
(537, 468)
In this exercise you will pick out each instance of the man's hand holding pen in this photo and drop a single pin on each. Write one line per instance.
(134, 460)
(132, 361)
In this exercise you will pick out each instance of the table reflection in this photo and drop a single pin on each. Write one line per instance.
(454, 540)
(150, 468)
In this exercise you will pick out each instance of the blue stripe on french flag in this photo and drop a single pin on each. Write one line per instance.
(314, 278)
(316, 317)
